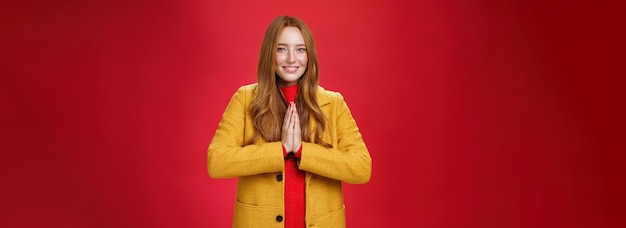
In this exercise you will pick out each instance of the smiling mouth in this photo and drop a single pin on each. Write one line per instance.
(291, 69)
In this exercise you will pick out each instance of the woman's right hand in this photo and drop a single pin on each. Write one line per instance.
(291, 132)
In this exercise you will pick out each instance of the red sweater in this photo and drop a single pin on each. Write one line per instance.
(294, 178)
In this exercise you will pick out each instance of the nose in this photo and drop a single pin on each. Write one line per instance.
(291, 57)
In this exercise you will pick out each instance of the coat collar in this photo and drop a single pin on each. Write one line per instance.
(322, 96)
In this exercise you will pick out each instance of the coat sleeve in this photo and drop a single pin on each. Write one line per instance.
(227, 157)
(349, 161)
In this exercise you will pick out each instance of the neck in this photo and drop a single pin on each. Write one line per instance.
(289, 92)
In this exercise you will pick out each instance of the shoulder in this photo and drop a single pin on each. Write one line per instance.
(246, 90)
(325, 96)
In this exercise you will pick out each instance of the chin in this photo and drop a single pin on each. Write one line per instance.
(291, 78)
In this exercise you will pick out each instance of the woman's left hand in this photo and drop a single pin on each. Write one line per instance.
(291, 132)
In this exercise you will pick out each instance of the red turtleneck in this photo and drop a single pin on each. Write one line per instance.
(294, 177)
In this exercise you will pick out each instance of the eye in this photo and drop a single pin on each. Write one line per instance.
(281, 49)
(301, 50)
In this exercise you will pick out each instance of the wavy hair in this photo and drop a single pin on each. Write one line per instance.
(268, 105)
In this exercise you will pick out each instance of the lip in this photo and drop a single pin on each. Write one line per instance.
(291, 69)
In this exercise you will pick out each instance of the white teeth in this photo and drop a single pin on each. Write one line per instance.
(291, 69)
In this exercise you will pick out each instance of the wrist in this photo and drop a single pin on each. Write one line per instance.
(298, 152)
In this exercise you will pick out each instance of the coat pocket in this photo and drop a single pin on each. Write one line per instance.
(333, 219)
(248, 215)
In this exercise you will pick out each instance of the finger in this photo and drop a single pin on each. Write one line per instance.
(287, 118)
(294, 118)
(297, 129)
(296, 140)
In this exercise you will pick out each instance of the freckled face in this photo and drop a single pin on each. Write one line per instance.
(291, 56)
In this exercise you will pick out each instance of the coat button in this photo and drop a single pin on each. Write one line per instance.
(279, 218)
(279, 177)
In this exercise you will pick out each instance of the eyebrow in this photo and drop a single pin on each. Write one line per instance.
(288, 45)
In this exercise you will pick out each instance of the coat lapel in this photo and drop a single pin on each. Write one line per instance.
(322, 97)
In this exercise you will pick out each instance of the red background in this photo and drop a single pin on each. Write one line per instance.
(476, 113)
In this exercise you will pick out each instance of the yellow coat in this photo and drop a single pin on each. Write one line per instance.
(260, 167)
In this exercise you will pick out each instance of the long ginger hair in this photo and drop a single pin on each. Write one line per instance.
(268, 106)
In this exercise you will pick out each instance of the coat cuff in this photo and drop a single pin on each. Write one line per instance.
(298, 154)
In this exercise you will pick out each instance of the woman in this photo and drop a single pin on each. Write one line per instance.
(289, 141)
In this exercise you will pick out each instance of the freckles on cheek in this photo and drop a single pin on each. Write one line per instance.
(278, 59)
